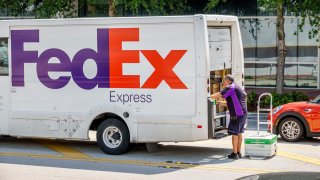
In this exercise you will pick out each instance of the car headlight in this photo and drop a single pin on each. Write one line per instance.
(276, 109)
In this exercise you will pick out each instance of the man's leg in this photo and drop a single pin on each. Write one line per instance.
(242, 123)
(235, 143)
(239, 142)
(233, 129)
(234, 154)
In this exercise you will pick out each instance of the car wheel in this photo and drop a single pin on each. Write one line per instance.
(113, 137)
(291, 129)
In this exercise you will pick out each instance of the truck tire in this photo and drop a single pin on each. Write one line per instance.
(113, 137)
(291, 130)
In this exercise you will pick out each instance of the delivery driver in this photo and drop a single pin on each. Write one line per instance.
(235, 101)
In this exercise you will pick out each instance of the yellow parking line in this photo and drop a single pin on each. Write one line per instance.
(62, 149)
(143, 163)
(299, 157)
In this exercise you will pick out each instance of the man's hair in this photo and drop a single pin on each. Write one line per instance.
(229, 77)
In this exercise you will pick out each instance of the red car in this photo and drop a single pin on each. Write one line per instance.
(296, 120)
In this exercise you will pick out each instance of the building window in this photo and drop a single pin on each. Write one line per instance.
(250, 74)
(307, 75)
(260, 53)
(290, 75)
(266, 74)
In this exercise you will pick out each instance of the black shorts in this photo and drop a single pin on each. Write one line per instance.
(236, 126)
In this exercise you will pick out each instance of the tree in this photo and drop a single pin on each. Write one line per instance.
(146, 7)
(279, 5)
(66, 8)
(157, 7)
(41, 8)
(150, 7)
(307, 9)
(112, 8)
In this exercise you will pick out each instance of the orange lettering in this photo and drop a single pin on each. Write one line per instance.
(117, 57)
(164, 69)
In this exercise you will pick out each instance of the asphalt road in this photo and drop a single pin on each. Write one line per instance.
(33, 159)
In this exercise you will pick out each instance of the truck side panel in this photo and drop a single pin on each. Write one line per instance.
(150, 72)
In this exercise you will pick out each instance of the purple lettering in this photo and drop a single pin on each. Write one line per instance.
(112, 96)
(43, 67)
(19, 56)
(101, 57)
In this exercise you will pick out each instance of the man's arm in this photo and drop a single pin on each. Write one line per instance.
(216, 96)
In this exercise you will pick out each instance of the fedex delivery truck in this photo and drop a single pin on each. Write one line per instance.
(132, 80)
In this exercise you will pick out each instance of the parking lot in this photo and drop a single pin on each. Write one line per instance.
(22, 158)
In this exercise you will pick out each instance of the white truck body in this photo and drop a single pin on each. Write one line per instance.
(66, 76)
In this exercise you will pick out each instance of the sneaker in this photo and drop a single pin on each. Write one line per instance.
(233, 156)
(239, 154)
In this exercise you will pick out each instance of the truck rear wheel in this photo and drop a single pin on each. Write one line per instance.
(113, 137)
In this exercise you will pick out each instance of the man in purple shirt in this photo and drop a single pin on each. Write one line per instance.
(235, 101)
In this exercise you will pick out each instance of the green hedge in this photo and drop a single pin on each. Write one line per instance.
(277, 99)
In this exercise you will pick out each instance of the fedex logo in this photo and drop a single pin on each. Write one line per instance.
(109, 58)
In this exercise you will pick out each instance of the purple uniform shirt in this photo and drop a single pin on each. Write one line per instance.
(235, 98)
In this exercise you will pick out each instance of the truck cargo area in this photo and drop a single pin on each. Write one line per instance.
(220, 65)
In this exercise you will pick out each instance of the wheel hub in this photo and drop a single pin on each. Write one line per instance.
(290, 129)
(116, 136)
(112, 137)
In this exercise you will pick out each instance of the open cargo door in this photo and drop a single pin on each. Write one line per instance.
(220, 65)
